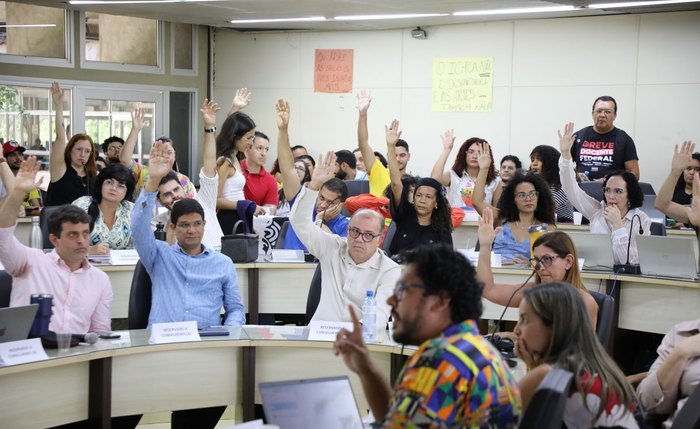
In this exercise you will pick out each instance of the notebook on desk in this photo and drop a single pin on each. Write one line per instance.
(594, 249)
(670, 257)
(16, 322)
(318, 403)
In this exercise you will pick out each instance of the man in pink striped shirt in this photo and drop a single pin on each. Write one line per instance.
(82, 294)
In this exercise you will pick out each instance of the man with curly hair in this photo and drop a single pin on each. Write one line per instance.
(456, 378)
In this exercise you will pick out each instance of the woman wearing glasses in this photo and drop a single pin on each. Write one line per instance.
(110, 209)
(553, 260)
(525, 202)
(616, 214)
(428, 218)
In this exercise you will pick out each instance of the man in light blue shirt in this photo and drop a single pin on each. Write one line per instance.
(190, 281)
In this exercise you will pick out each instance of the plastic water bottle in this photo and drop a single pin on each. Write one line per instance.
(369, 318)
(36, 240)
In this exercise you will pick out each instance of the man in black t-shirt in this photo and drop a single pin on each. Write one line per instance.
(602, 148)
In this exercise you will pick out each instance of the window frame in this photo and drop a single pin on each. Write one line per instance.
(194, 71)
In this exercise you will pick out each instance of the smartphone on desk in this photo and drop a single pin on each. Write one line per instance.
(213, 331)
(110, 336)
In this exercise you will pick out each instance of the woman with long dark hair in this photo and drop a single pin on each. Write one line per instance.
(428, 218)
(554, 332)
(544, 160)
(461, 178)
(110, 209)
(72, 166)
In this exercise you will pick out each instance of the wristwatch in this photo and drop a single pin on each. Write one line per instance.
(210, 130)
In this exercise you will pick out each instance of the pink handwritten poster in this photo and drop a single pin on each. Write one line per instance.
(333, 70)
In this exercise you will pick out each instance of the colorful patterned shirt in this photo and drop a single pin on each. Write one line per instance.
(119, 237)
(457, 380)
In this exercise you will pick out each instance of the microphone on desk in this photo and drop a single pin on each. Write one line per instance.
(628, 268)
(90, 337)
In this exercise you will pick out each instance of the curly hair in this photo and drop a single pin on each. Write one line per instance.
(635, 195)
(573, 345)
(232, 130)
(549, 157)
(444, 270)
(544, 212)
(460, 164)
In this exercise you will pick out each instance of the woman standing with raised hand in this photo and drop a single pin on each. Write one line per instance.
(461, 178)
(428, 218)
(71, 166)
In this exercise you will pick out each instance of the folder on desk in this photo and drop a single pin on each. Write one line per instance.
(318, 403)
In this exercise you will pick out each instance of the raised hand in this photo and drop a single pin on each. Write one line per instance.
(487, 233)
(209, 109)
(392, 133)
(161, 160)
(138, 119)
(681, 158)
(282, 109)
(25, 180)
(241, 99)
(364, 99)
(448, 139)
(57, 95)
(324, 170)
(484, 155)
(566, 140)
(350, 345)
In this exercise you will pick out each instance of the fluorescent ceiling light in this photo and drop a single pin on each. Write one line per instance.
(26, 25)
(395, 16)
(637, 4)
(259, 21)
(134, 1)
(515, 11)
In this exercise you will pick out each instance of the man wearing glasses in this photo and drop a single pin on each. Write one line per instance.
(456, 378)
(602, 148)
(112, 148)
(349, 266)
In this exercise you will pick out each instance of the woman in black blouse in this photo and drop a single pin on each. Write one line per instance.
(427, 219)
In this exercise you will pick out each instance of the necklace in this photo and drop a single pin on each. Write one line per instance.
(523, 228)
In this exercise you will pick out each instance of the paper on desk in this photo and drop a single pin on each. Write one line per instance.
(473, 257)
(124, 257)
(285, 255)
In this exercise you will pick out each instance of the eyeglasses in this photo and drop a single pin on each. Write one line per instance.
(527, 195)
(251, 138)
(111, 183)
(300, 168)
(115, 148)
(546, 261)
(186, 225)
(366, 236)
(603, 111)
(401, 286)
(616, 191)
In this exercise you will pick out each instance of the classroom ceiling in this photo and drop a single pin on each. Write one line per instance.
(219, 13)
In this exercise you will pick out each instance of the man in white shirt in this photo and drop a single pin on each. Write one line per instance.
(349, 266)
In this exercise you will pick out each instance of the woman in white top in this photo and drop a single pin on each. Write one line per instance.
(616, 214)
(461, 178)
(237, 132)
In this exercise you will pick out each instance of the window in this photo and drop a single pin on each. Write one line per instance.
(108, 44)
(36, 35)
(184, 49)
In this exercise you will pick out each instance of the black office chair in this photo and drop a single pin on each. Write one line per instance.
(357, 187)
(657, 228)
(139, 298)
(546, 409)
(647, 189)
(689, 416)
(314, 294)
(5, 288)
(279, 244)
(389, 237)
(44, 224)
(606, 312)
(594, 189)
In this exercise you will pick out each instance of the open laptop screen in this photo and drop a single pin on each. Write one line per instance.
(320, 403)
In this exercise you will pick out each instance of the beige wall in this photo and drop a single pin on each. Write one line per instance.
(128, 40)
(35, 41)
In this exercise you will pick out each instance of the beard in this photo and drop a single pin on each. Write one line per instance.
(341, 175)
(114, 160)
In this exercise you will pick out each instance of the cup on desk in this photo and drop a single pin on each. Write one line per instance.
(578, 217)
(63, 340)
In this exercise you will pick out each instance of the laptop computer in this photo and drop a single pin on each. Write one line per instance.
(318, 403)
(595, 249)
(671, 257)
(16, 322)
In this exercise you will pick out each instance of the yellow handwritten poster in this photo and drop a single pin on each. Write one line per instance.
(333, 70)
(462, 84)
